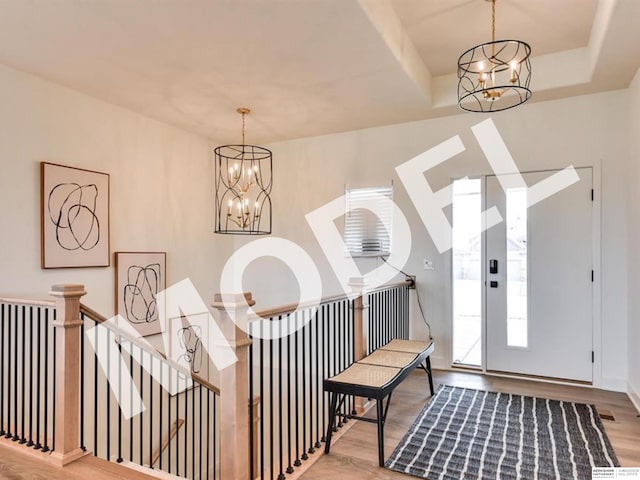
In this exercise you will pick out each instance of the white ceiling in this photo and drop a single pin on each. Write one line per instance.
(306, 67)
(434, 25)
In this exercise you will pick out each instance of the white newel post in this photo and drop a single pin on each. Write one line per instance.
(67, 374)
(234, 388)
(360, 327)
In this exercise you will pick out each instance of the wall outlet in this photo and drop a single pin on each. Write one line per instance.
(428, 264)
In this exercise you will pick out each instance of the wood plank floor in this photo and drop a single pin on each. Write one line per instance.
(354, 456)
(20, 463)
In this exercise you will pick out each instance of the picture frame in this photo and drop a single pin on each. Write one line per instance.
(140, 276)
(188, 338)
(74, 217)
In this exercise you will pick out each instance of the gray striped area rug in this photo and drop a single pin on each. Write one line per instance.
(465, 434)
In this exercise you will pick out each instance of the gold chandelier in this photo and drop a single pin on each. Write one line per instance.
(243, 187)
(496, 75)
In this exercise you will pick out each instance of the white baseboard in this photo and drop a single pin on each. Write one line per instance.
(613, 384)
(634, 395)
(438, 362)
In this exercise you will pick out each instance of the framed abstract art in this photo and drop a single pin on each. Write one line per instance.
(140, 276)
(74, 217)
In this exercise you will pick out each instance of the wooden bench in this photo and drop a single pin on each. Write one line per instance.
(375, 377)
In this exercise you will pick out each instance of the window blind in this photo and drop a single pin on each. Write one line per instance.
(365, 233)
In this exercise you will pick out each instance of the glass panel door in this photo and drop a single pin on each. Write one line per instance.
(467, 272)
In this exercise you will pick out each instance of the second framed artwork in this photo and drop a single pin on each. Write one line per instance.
(140, 276)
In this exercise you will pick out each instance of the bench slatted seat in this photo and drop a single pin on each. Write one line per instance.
(375, 377)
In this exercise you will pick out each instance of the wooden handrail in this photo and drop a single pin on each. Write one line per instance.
(92, 314)
(34, 302)
(292, 307)
(96, 317)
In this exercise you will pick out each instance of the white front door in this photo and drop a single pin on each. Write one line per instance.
(539, 260)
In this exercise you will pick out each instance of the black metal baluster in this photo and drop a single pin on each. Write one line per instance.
(193, 430)
(404, 311)
(45, 441)
(303, 360)
(169, 376)
(340, 347)
(370, 324)
(401, 310)
(151, 411)
(30, 442)
(374, 321)
(141, 416)
(262, 399)
(252, 453)
(281, 420)
(380, 339)
(397, 308)
(393, 319)
(200, 442)
(370, 302)
(385, 317)
(209, 393)
(289, 432)
(16, 370)
(407, 304)
(2, 351)
(215, 433)
(350, 319)
(9, 372)
(380, 318)
(323, 353)
(271, 432)
(178, 422)
(326, 312)
(318, 379)
(393, 308)
(310, 361)
(108, 429)
(390, 316)
(95, 393)
(296, 389)
(352, 346)
(160, 412)
(82, 373)
(186, 424)
(132, 419)
(119, 459)
(55, 386)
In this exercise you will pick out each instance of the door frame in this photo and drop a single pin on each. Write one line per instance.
(596, 168)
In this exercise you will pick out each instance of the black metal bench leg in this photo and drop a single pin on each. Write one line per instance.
(429, 374)
(332, 420)
(381, 415)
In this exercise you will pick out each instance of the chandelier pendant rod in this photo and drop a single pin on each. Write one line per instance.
(493, 28)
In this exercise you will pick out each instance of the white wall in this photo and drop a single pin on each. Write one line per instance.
(634, 242)
(161, 187)
(583, 131)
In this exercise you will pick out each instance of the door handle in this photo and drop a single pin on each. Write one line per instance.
(493, 266)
